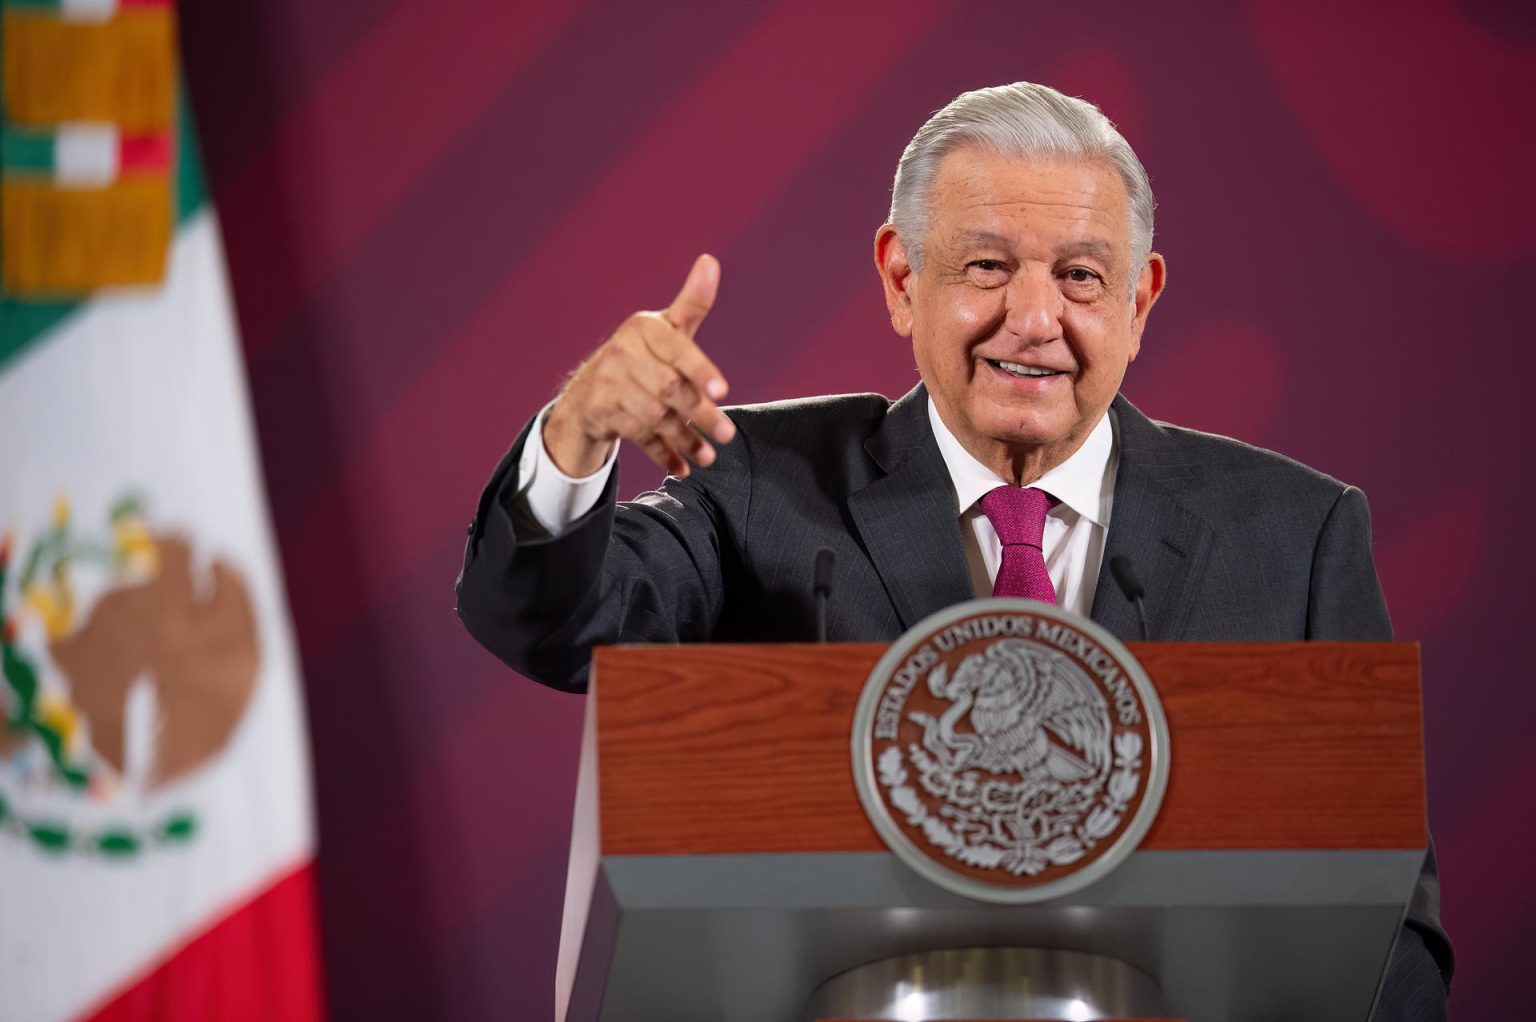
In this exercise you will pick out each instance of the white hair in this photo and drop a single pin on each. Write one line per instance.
(1024, 120)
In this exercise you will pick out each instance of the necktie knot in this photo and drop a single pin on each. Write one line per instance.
(1019, 518)
(1017, 515)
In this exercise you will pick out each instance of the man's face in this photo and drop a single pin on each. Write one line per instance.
(1023, 318)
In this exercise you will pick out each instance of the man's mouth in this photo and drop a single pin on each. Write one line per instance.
(1024, 371)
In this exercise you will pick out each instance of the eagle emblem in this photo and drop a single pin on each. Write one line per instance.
(1010, 750)
(1030, 712)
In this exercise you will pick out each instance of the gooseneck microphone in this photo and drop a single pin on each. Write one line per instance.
(1130, 585)
(821, 585)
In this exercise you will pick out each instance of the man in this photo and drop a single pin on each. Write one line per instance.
(1018, 259)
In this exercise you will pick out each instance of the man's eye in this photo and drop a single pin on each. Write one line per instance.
(1079, 275)
(987, 273)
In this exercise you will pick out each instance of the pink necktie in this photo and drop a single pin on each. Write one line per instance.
(1019, 518)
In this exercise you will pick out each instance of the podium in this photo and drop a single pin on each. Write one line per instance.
(723, 870)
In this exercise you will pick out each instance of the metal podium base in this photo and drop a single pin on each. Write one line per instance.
(989, 983)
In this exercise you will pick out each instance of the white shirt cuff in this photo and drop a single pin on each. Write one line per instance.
(553, 498)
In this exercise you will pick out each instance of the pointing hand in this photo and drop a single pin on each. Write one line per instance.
(649, 383)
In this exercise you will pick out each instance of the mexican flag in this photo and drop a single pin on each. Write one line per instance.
(156, 832)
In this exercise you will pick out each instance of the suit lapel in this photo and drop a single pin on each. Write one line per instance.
(1167, 543)
(907, 518)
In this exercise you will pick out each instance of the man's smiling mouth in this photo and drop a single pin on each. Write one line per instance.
(1023, 371)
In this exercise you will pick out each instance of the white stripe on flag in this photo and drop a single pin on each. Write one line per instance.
(85, 155)
(87, 10)
(142, 391)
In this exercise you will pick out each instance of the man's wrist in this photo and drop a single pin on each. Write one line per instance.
(554, 498)
(577, 455)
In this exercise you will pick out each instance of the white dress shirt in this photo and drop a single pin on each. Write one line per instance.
(1075, 528)
(555, 499)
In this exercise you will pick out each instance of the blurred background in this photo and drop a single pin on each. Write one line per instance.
(433, 210)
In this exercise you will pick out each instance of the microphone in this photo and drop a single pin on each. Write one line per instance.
(1130, 585)
(822, 587)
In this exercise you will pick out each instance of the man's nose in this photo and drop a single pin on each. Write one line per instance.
(1035, 305)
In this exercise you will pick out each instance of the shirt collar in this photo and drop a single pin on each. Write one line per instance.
(1079, 482)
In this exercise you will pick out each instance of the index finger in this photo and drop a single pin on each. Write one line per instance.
(704, 380)
(697, 296)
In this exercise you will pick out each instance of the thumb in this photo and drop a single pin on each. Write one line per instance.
(696, 298)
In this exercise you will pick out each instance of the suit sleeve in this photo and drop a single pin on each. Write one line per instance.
(1346, 604)
(651, 570)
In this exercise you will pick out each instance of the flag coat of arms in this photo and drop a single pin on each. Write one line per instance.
(156, 832)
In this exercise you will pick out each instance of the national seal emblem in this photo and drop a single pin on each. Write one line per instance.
(1010, 751)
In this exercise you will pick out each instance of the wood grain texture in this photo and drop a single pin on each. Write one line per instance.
(731, 749)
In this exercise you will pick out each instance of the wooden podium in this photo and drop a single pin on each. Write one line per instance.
(722, 868)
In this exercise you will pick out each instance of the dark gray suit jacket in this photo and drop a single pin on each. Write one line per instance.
(1231, 542)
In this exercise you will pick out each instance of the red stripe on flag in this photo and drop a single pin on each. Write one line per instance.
(262, 961)
(145, 154)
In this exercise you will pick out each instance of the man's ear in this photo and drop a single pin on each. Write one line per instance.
(1149, 285)
(895, 274)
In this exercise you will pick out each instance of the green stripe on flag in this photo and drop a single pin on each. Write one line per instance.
(23, 323)
(191, 188)
(26, 152)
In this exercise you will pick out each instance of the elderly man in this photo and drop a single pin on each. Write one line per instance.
(1018, 259)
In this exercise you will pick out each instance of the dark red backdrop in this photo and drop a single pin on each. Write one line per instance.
(435, 208)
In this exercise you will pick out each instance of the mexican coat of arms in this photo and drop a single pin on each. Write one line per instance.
(1010, 751)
